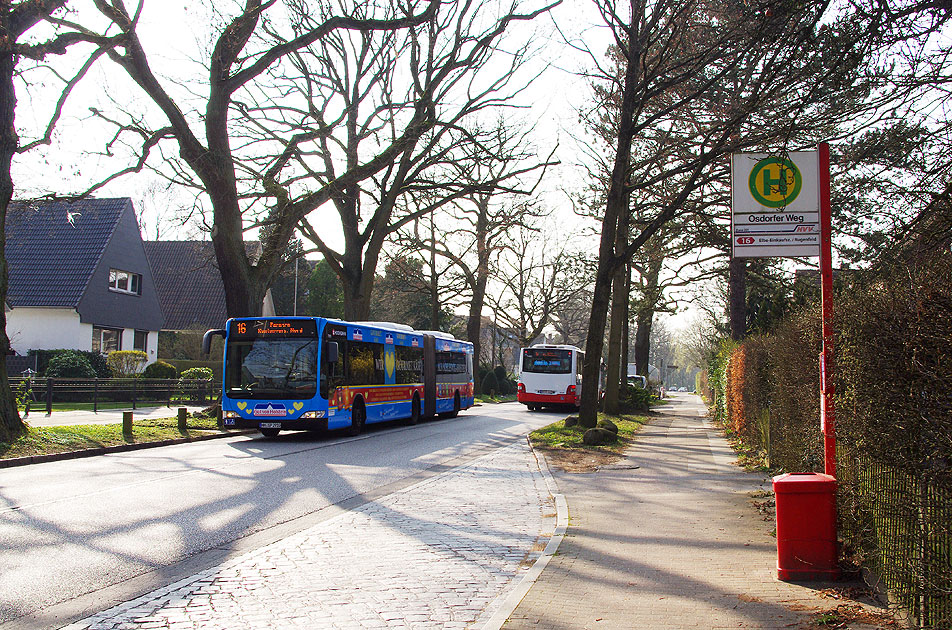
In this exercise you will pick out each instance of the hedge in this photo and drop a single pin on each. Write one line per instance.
(893, 395)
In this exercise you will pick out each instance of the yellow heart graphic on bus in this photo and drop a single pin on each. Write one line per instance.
(242, 405)
(298, 405)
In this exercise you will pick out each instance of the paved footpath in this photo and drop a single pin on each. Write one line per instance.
(666, 538)
(443, 553)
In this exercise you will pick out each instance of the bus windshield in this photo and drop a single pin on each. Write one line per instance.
(271, 368)
(546, 361)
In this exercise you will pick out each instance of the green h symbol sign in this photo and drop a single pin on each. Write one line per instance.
(780, 182)
(775, 188)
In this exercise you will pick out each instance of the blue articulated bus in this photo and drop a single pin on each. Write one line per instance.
(311, 373)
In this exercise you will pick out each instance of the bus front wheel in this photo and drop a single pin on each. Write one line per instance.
(270, 433)
(358, 416)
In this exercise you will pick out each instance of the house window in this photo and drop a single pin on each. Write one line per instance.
(106, 340)
(125, 281)
(140, 340)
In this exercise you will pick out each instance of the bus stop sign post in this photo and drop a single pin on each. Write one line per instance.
(827, 412)
(781, 207)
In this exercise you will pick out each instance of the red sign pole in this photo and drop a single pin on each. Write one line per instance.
(827, 412)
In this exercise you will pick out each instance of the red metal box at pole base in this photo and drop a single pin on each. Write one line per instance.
(806, 526)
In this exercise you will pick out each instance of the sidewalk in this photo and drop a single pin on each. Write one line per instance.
(38, 418)
(668, 538)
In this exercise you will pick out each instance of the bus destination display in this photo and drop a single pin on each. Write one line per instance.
(272, 328)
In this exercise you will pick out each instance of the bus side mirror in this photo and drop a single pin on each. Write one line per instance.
(207, 339)
(332, 351)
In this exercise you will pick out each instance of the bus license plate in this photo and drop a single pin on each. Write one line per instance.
(269, 425)
(546, 391)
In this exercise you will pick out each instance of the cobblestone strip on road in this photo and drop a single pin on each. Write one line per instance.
(443, 553)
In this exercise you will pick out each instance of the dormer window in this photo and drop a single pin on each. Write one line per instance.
(125, 282)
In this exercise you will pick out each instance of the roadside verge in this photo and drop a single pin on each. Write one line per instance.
(104, 450)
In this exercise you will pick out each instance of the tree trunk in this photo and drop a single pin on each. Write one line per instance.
(474, 324)
(613, 359)
(645, 312)
(737, 298)
(626, 328)
(643, 321)
(11, 426)
(356, 295)
(616, 204)
(434, 281)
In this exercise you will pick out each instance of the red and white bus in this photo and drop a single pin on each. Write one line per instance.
(550, 376)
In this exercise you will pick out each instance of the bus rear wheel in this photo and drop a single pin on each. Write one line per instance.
(358, 416)
(414, 410)
(456, 408)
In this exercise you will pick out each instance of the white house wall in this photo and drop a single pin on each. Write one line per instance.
(128, 341)
(55, 328)
(47, 329)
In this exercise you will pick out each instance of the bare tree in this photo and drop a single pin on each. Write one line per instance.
(570, 318)
(475, 226)
(454, 73)
(536, 277)
(250, 148)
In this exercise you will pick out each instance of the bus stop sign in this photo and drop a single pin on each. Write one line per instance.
(775, 204)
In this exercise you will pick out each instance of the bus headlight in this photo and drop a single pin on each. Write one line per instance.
(312, 414)
(231, 414)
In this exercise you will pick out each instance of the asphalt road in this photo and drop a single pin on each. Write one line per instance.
(77, 536)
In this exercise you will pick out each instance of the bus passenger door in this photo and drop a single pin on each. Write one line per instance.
(429, 376)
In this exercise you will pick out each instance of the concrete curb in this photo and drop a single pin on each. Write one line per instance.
(105, 450)
(561, 524)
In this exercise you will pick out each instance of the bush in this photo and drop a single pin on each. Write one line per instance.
(502, 378)
(633, 398)
(199, 373)
(181, 366)
(489, 385)
(717, 377)
(480, 376)
(96, 360)
(160, 369)
(125, 363)
(70, 364)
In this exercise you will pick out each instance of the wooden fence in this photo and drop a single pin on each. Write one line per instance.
(44, 394)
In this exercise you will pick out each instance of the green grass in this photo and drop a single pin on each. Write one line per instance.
(49, 440)
(558, 436)
(485, 398)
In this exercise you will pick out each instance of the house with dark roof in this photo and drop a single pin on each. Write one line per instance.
(189, 284)
(79, 278)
